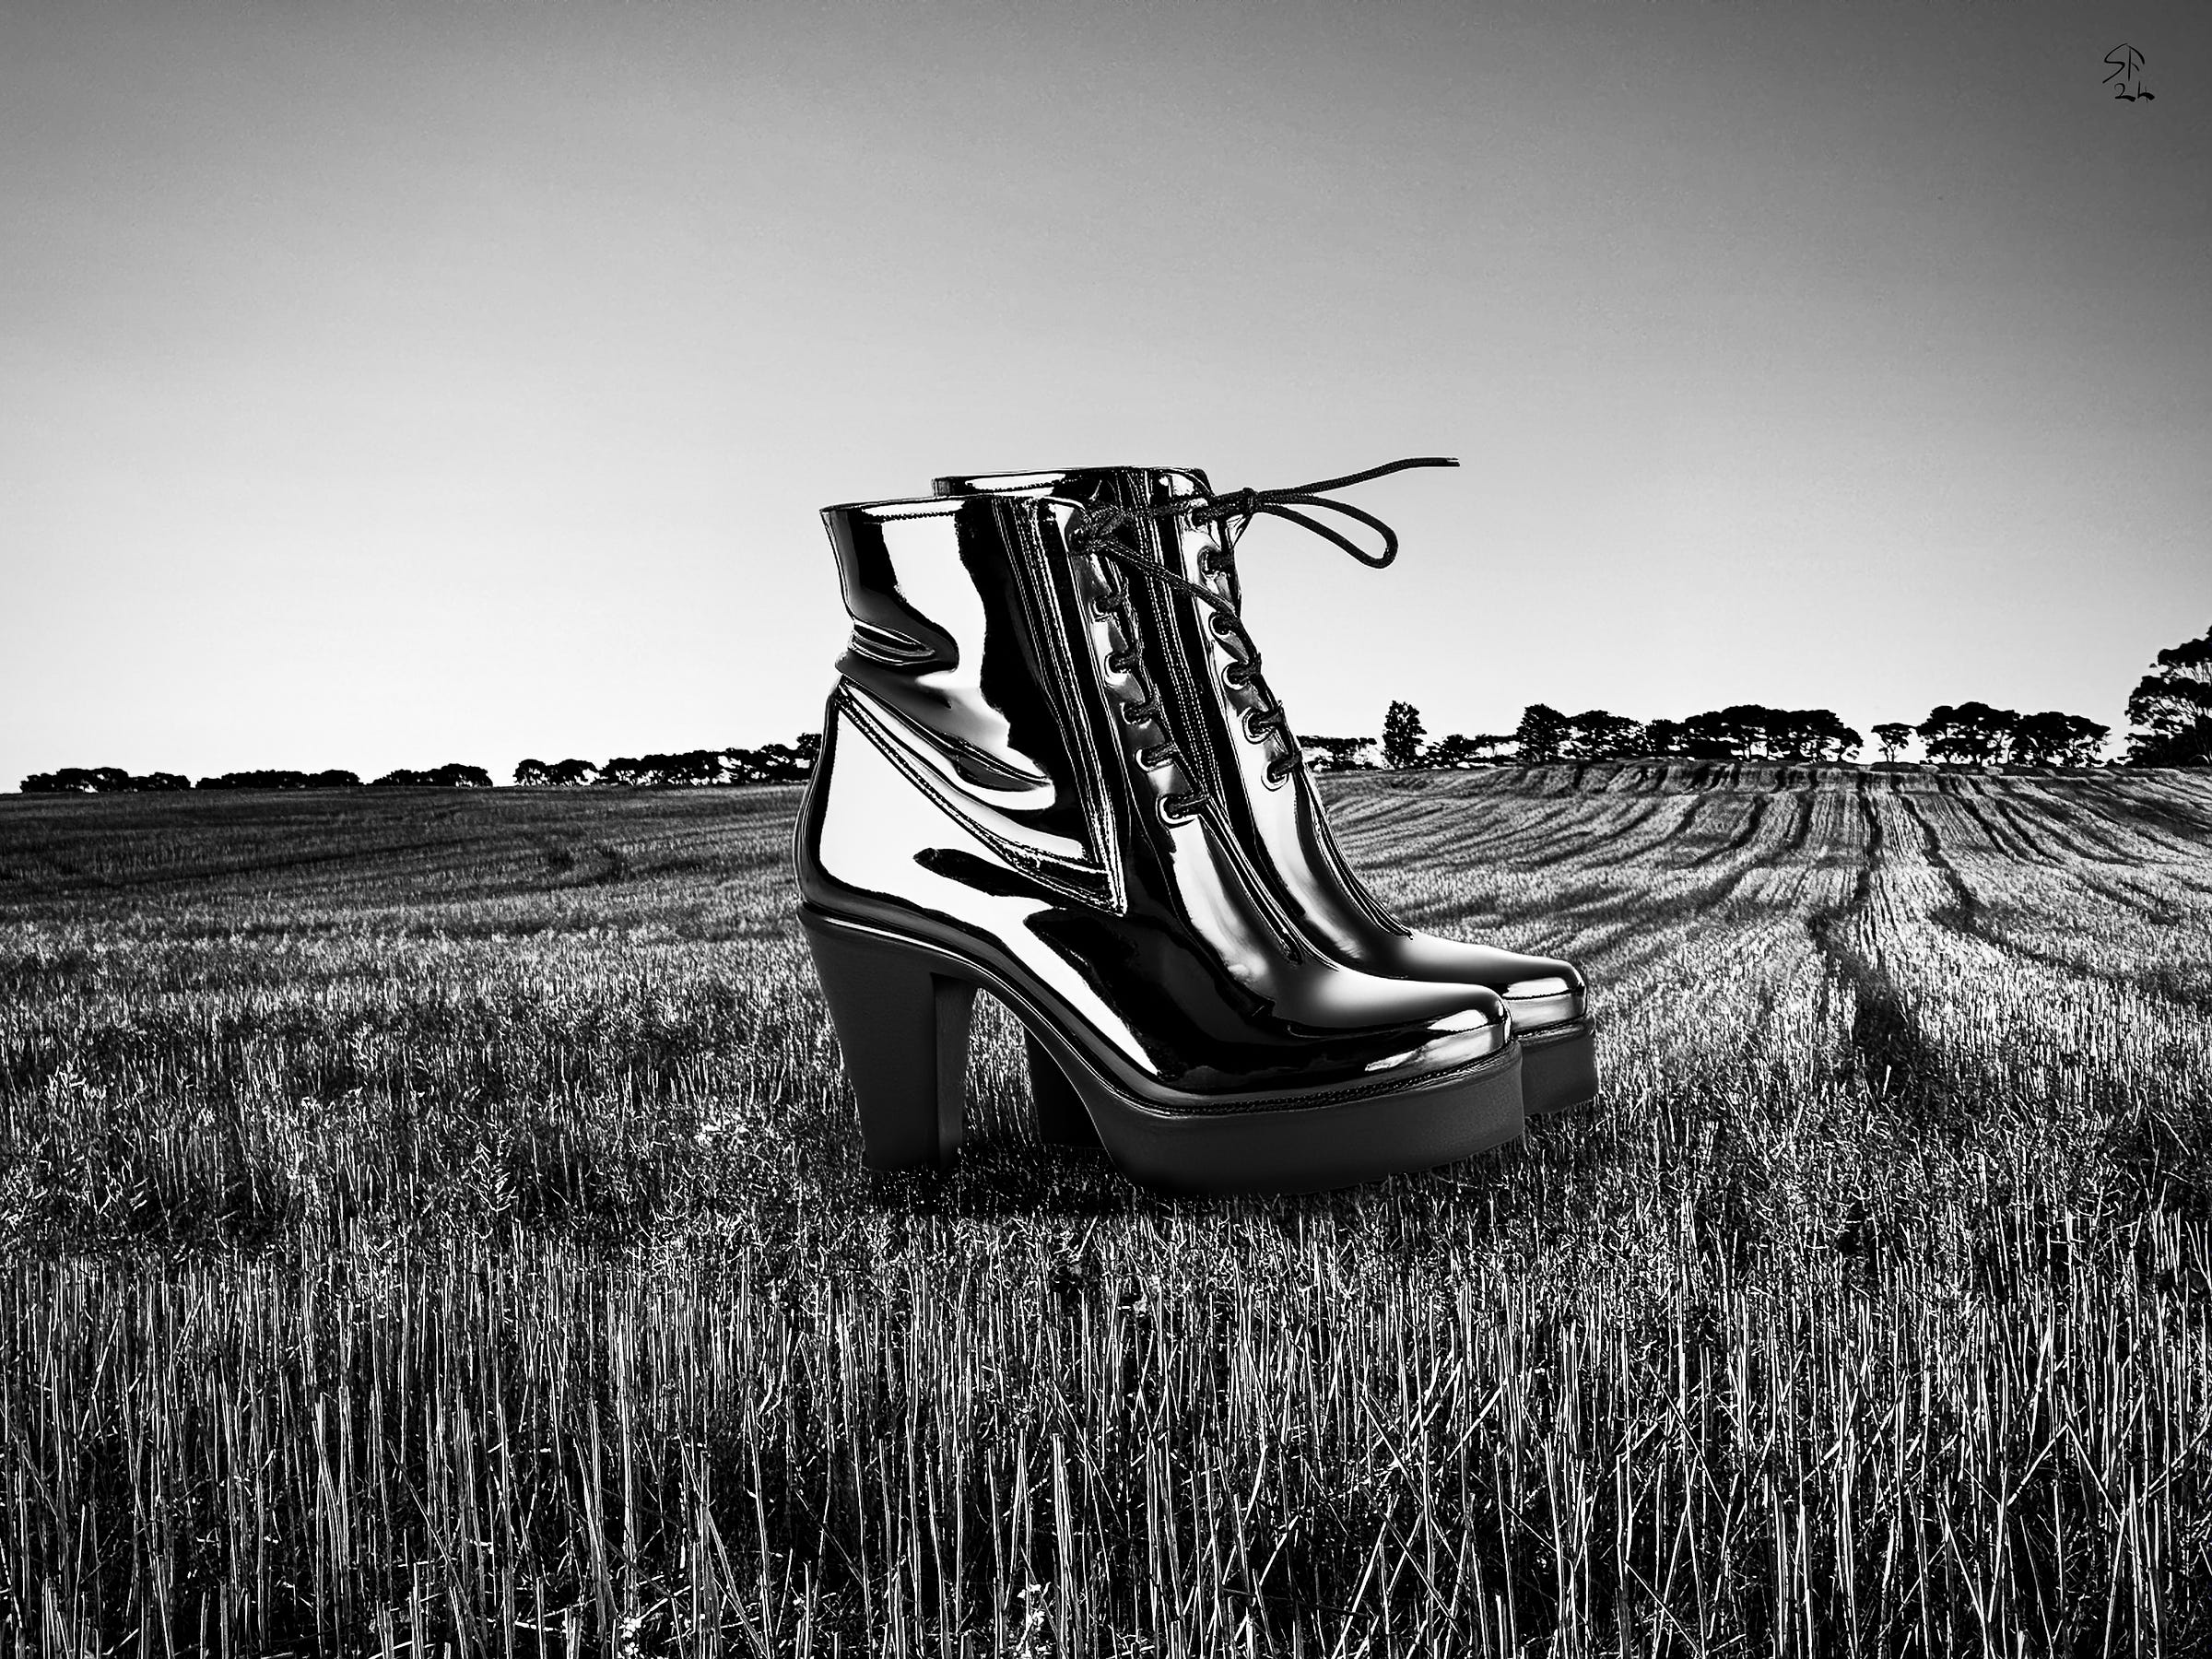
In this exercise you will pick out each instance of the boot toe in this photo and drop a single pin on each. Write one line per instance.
(1554, 994)
(1540, 990)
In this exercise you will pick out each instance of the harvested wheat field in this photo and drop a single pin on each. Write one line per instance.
(433, 1220)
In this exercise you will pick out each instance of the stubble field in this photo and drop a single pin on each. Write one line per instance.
(434, 1218)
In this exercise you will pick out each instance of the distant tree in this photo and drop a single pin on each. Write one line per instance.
(2171, 706)
(334, 778)
(1892, 735)
(1458, 752)
(161, 782)
(689, 769)
(652, 770)
(1714, 734)
(1541, 734)
(452, 775)
(1811, 734)
(532, 774)
(1334, 754)
(625, 770)
(1939, 734)
(810, 749)
(1402, 731)
(780, 763)
(1973, 733)
(1992, 730)
(693, 766)
(1751, 732)
(85, 780)
(2052, 738)
(1599, 736)
(567, 774)
(1735, 733)
(264, 778)
(1755, 732)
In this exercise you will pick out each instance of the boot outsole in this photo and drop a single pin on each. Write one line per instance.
(902, 1008)
(1558, 1068)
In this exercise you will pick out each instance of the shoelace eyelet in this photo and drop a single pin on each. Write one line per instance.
(1237, 676)
(1158, 756)
(1261, 724)
(1175, 810)
(1136, 713)
(1120, 662)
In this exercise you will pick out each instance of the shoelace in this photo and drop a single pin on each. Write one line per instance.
(1096, 534)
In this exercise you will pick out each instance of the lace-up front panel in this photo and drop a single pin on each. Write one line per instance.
(1115, 637)
(1203, 527)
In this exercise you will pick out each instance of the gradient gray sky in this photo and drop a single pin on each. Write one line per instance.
(381, 385)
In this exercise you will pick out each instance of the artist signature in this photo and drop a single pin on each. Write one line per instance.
(2127, 69)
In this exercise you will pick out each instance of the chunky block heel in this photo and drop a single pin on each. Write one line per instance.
(903, 1026)
(1062, 1118)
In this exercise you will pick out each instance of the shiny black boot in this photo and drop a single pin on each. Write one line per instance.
(1176, 535)
(999, 804)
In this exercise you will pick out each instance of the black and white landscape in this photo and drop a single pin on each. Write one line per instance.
(430, 1210)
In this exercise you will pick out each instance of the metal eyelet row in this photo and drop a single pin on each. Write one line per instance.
(1259, 725)
(1176, 808)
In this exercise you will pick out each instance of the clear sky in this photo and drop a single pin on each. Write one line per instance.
(384, 385)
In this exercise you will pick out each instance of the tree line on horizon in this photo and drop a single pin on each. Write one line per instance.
(1967, 734)
(770, 763)
(114, 780)
(2170, 708)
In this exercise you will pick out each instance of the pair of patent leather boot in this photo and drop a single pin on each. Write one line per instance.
(1049, 769)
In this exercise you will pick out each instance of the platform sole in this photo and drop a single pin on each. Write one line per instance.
(1558, 1068)
(902, 1007)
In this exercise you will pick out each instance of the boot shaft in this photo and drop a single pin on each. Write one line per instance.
(1196, 666)
(958, 645)
(1008, 672)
